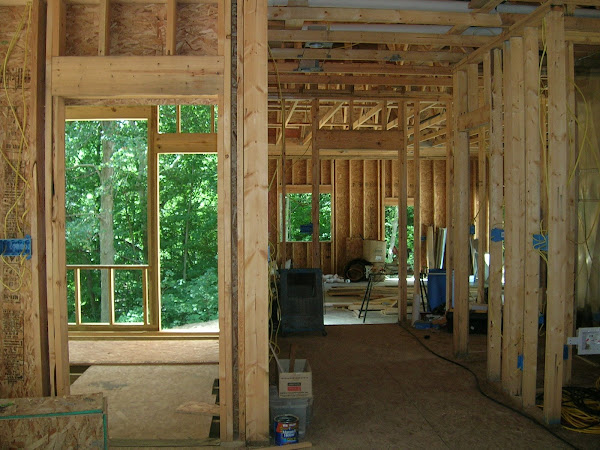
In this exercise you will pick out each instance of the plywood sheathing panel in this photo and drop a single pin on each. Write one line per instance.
(439, 193)
(138, 29)
(427, 209)
(410, 177)
(356, 198)
(371, 206)
(20, 353)
(326, 168)
(79, 422)
(82, 30)
(299, 175)
(342, 211)
(197, 29)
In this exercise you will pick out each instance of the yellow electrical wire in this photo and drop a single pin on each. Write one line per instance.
(21, 269)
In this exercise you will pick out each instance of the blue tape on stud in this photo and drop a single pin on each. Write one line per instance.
(566, 352)
(472, 230)
(497, 235)
(520, 362)
(423, 238)
(540, 242)
(541, 320)
(16, 247)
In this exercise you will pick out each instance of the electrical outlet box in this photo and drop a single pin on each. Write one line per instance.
(587, 341)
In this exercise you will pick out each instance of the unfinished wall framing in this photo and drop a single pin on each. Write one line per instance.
(385, 119)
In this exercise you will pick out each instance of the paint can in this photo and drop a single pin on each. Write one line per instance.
(285, 428)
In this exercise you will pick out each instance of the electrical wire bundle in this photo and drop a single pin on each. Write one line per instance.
(581, 409)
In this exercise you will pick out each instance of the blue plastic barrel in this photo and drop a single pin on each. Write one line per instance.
(436, 288)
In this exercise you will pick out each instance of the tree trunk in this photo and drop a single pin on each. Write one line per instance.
(186, 236)
(107, 235)
(142, 183)
(393, 235)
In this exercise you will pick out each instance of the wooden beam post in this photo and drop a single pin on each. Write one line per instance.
(226, 243)
(39, 319)
(573, 189)
(515, 244)
(460, 236)
(558, 229)
(417, 205)
(507, 96)
(532, 215)
(450, 216)
(54, 182)
(494, 338)
(316, 179)
(154, 312)
(482, 187)
(253, 225)
(402, 209)
(171, 27)
(104, 28)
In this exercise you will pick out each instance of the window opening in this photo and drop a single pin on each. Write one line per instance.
(299, 217)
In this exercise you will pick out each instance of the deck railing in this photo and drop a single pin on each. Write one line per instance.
(111, 268)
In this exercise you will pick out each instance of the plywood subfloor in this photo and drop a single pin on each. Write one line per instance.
(375, 387)
(143, 400)
(118, 352)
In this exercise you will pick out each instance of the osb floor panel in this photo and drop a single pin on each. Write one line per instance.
(142, 400)
(202, 351)
(374, 386)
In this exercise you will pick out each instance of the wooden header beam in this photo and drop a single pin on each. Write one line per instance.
(358, 140)
(384, 16)
(364, 55)
(133, 76)
(335, 67)
(378, 37)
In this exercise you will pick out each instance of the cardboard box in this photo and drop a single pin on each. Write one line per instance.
(296, 384)
(374, 251)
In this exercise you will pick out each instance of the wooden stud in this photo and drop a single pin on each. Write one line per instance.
(39, 314)
(104, 28)
(460, 233)
(316, 177)
(77, 276)
(402, 209)
(111, 296)
(171, 27)
(514, 289)
(558, 242)
(449, 207)
(482, 188)
(154, 312)
(573, 189)
(254, 232)
(507, 96)
(417, 199)
(58, 294)
(225, 241)
(494, 337)
(532, 218)
(58, 360)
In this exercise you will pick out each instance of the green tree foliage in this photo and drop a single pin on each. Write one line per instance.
(83, 162)
(391, 221)
(188, 218)
(299, 212)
